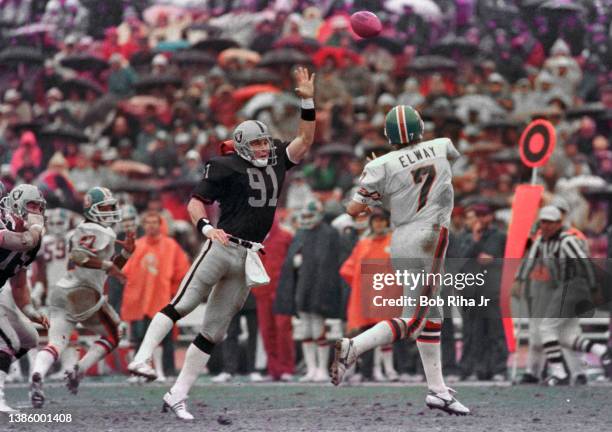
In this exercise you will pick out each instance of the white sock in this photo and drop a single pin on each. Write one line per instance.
(95, 353)
(378, 335)
(432, 365)
(69, 358)
(44, 361)
(322, 356)
(2, 379)
(158, 361)
(195, 362)
(598, 349)
(557, 369)
(158, 329)
(309, 350)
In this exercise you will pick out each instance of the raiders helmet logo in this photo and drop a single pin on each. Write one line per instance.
(17, 194)
(238, 136)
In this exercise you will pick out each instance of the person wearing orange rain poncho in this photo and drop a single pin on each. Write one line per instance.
(372, 250)
(153, 274)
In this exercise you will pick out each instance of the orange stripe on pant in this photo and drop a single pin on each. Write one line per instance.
(415, 323)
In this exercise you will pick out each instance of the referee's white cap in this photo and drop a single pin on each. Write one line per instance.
(550, 213)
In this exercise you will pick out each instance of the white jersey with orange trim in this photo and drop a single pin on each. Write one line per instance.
(414, 183)
(55, 251)
(94, 240)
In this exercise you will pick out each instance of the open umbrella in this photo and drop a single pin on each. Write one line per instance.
(485, 105)
(81, 85)
(284, 56)
(455, 44)
(32, 30)
(215, 45)
(432, 63)
(154, 81)
(254, 76)
(268, 100)
(131, 168)
(20, 127)
(143, 104)
(245, 93)
(426, 9)
(100, 109)
(193, 57)
(152, 14)
(336, 150)
(240, 54)
(21, 54)
(84, 62)
(560, 7)
(590, 109)
(64, 132)
(172, 46)
(307, 45)
(388, 44)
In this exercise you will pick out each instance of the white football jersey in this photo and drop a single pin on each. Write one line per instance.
(413, 183)
(55, 251)
(95, 240)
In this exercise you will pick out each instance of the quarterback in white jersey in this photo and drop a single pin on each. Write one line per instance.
(414, 183)
(79, 296)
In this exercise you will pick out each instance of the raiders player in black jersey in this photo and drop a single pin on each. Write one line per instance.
(247, 186)
(21, 231)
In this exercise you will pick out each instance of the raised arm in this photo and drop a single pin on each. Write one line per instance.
(300, 145)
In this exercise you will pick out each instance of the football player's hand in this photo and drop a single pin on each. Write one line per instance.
(304, 83)
(41, 319)
(218, 235)
(517, 288)
(117, 273)
(129, 244)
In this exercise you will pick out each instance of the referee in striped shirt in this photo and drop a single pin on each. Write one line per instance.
(573, 274)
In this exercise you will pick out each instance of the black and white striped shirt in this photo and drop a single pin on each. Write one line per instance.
(563, 254)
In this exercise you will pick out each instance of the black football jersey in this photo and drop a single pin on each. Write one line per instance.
(248, 195)
(12, 261)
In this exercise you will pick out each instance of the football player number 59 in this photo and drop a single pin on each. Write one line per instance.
(257, 182)
(425, 175)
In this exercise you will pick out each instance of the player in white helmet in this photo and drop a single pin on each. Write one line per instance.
(51, 265)
(79, 296)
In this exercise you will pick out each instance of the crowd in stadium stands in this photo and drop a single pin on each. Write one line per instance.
(136, 95)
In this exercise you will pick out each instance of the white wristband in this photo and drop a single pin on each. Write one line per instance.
(206, 229)
(308, 103)
(106, 265)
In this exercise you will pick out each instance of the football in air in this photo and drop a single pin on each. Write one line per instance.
(366, 24)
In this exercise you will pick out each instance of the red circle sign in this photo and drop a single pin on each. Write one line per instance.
(537, 143)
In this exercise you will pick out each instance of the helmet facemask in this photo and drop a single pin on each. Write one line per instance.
(23, 205)
(106, 217)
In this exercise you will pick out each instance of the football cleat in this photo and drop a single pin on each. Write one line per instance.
(73, 379)
(528, 378)
(446, 402)
(344, 357)
(581, 380)
(143, 369)
(178, 407)
(553, 381)
(37, 397)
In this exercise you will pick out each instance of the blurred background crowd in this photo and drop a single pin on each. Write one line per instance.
(135, 95)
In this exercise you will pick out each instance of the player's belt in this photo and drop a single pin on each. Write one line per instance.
(244, 243)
